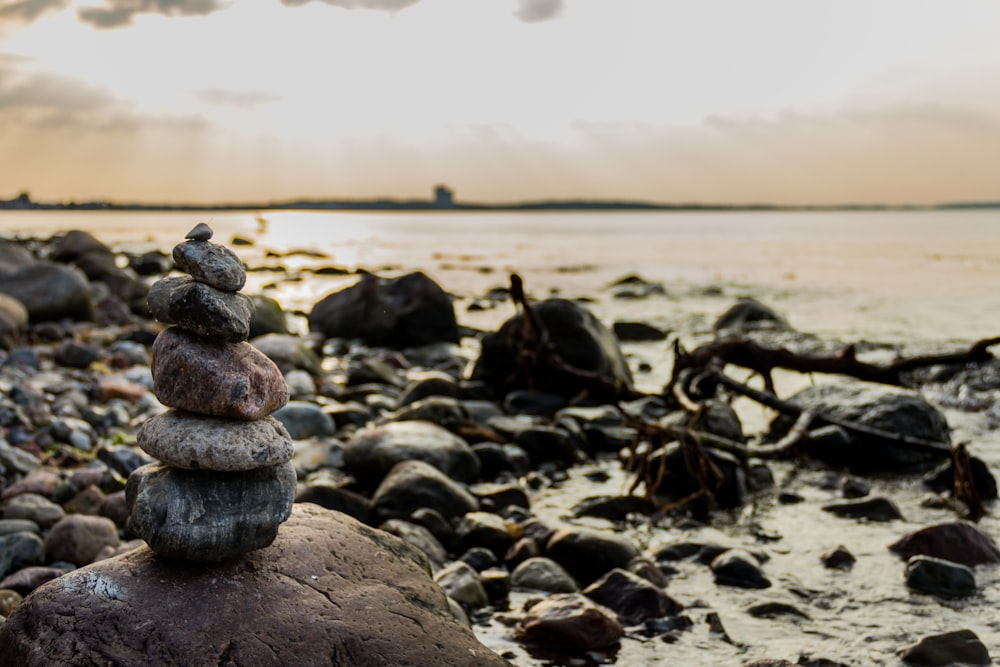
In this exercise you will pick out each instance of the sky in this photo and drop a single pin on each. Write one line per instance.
(709, 101)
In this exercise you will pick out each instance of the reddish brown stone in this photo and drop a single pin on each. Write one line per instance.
(209, 377)
(957, 541)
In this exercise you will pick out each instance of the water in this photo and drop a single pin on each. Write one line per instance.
(927, 277)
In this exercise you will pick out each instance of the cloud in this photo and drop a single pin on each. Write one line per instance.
(45, 90)
(28, 10)
(536, 11)
(119, 13)
(247, 99)
(381, 5)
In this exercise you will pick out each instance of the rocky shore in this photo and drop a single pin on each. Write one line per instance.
(456, 500)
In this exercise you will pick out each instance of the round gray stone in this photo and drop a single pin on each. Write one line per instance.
(191, 441)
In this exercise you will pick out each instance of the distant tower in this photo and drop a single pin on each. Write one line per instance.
(443, 197)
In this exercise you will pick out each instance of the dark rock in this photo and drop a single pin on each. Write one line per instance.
(124, 284)
(630, 596)
(74, 244)
(499, 496)
(956, 541)
(14, 256)
(613, 508)
(328, 591)
(870, 509)
(51, 292)
(588, 554)
(542, 574)
(211, 264)
(33, 507)
(370, 453)
(483, 529)
(718, 418)
(201, 308)
(649, 571)
(74, 354)
(78, 539)
(463, 584)
(434, 383)
(214, 378)
(20, 549)
(943, 578)
(419, 537)
(496, 583)
(413, 484)
(942, 480)
(435, 522)
(479, 558)
(739, 568)
(268, 317)
(302, 419)
(209, 516)
(335, 498)
(546, 443)
(838, 558)
(200, 232)
(679, 481)
(949, 648)
(152, 263)
(441, 410)
(578, 337)
(289, 352)
(776, 610)
(529, 402)
(881, 407)
(408, 311)
(188, 440)
(748, 314)
(569, 621)
(115, 508)
(854, 487)
(637, 332)
(495, 459)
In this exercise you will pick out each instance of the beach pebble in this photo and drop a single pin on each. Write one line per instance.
(200, 232)
(371, 452)
(739, 568)
(212, 264)
(289, 352)
(542, 574)
(9, 526)
(205, 515)
(152, 263)
(414, 484)
(33, 507)
(948, 648)
(201, 309)
(13, 256)
(637, 332)
(462, 583)
(215, 378)
(613, 508)
(76, 354)
(188, 440)
(419, 537)
(268, 317)
(27, 579)
(870, 509)
(483, 529)
(334, 498)
(78, 538)
(748, 314)
(943, 578)
(838, 558)
(479, 558)
(19, 550)
(495, 459)
(589, 554)
(51, 291)
(43, 482)
(630, 596)
(956, 541)
(569, 621)
(303, 419)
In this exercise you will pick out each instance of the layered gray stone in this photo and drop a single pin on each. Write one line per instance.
(211, 263)
(328, 591)
(192, 441)
(205, 515)
(201, 308)
(209, 377)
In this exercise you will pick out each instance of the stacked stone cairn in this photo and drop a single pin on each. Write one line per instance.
(223, 482)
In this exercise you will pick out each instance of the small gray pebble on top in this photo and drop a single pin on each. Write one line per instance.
(201, 232)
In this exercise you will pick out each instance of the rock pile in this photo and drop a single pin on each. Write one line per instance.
(223, 483)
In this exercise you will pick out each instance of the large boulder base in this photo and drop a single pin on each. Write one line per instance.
(328, 591)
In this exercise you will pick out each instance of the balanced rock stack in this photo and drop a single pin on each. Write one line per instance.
(223, 483)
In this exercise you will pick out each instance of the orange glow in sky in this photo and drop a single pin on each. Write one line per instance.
(718, 101)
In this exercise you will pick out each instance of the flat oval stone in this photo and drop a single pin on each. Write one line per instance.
(205, 515)
(201, 308)
(209, 377)
(211, 263)
(191, 441)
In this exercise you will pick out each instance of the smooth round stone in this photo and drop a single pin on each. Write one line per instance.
(201, 308)
(206, 515)
(212, 264)
(200, 232)
(208, 377)
(192, 441)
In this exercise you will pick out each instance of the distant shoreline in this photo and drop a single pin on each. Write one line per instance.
(23, 203)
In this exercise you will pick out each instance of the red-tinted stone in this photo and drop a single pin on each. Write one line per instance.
(209, 377)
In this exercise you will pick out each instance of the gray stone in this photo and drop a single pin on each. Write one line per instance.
(371, 452)
(78, 538)
(209, 377)
(303, 419)
(188, 440)
(940, 577)
(414, 484)
(462, 583)
(289, 352)
(328, 591)
(201, 308)
(589, 554)
(20, 549)
(204, 515)
(33, 507)
(542, 574)
(630, 596)
(268, 317)
(483, 529)
(748, 314)
(212, 264)
(870, 509)
(949, 648)
(419, 537)
(569, 621)
(51, 292)
(200, 232)
(739, 568)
